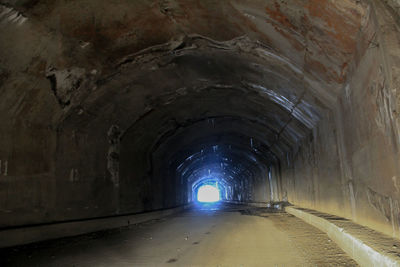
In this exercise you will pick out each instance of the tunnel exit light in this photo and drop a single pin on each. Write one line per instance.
(208, 193)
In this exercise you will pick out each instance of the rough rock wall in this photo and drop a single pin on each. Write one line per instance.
(350, 164)
(260, 188)
(141, 188)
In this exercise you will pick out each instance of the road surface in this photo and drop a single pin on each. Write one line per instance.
(206, 235)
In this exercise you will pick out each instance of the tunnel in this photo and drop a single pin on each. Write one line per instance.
(112, 111)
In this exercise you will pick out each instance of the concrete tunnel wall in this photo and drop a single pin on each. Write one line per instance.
(120, 108)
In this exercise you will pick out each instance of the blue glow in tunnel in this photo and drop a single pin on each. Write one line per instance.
(208, 193)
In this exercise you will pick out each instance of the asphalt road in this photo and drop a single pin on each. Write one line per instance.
(207, 235)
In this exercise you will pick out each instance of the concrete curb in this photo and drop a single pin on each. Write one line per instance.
(31, 234)
(253, 204)
(362, 253)
(270, 204)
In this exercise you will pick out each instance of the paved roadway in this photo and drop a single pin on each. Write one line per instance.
(207, 235)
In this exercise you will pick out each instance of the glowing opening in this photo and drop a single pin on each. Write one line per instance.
(207, 193)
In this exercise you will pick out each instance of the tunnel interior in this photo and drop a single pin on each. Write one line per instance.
(122, 107)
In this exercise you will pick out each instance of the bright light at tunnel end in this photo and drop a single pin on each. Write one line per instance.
(208, 193)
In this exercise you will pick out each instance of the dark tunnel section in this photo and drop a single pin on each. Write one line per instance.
(212, 149)
(230, 131)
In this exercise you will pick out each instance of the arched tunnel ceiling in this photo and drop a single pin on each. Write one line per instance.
(266, 71)
(223, 147)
